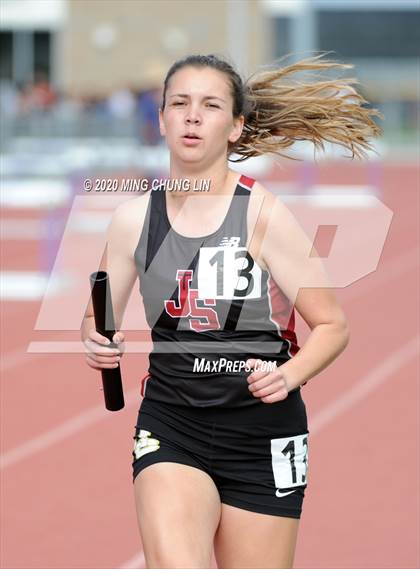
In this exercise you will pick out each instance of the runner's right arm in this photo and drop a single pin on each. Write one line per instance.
(118, 261)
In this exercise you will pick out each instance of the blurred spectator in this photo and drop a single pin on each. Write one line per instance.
(36, 108)
(37, 95)
(150, 99)
(9, 99)
(122, 103)
(148, 104)
(68, 106)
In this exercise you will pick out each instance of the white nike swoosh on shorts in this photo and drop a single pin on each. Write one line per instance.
(280, 494)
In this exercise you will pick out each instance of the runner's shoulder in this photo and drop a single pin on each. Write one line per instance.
(265, 204)
(128, 218)
(260, 189)
(131, 212)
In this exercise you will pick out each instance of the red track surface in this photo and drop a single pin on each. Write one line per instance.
(70, 503)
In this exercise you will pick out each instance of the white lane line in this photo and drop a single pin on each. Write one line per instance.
(15, 228)
(39, 193)
(136, 562)
(29, 285)
(21, 229)
(384, 371)
(15, 358)
(64, 431)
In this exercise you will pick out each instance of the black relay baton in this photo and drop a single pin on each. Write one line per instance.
(105, 325)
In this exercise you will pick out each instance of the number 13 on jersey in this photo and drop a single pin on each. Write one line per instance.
(228, 272)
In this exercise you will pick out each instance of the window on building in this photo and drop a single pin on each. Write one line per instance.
(370, 33)
(282, 39)
(42, 51)
(6, 54)
(24, 54)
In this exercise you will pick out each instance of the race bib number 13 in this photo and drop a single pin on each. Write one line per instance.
(289, 458)
(228, 272)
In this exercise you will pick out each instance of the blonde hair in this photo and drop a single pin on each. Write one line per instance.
(280, 109)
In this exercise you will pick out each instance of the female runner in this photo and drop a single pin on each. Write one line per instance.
(220, 453)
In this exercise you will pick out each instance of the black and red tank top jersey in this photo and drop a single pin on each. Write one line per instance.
(210, 307)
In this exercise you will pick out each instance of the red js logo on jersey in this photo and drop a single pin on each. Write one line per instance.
(201, 318)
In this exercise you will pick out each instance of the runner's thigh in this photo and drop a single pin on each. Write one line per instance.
(270, 540)
(178, 510)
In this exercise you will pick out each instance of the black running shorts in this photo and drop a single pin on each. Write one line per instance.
(257, 457)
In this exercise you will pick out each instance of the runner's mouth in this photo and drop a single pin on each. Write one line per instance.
(192, 135)
(191, 140)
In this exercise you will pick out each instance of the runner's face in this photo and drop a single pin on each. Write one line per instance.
(198, 101)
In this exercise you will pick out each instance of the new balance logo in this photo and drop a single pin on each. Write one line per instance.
(230, 242)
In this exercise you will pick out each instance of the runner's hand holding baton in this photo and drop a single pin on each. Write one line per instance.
(105, 325)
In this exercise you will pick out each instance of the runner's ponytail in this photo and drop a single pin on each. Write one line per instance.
(284, 110)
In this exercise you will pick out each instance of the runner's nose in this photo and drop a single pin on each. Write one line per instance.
(192, 117)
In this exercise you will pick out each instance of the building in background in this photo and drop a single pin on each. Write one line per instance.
(380, 37)
(92, 62)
